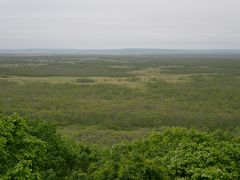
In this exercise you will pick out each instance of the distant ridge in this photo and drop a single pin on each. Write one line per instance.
(127, 51)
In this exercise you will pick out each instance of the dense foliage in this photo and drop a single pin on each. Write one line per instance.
(176, 153)
(20, 152)
(33, 150)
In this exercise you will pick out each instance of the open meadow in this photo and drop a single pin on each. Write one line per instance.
(105, 99)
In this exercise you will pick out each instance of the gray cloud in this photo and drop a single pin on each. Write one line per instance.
(119, 23)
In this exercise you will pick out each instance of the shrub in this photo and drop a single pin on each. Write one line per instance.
(20, 152)
(33, 150)
(175, 152)
(85, 80)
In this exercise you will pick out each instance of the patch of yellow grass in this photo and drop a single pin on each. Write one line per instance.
(56, 80)
(143, 76)
(150, 74)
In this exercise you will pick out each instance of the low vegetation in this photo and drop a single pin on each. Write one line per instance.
(85, 80)
(119, 117)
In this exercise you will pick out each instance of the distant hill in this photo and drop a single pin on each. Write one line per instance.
(130, 51)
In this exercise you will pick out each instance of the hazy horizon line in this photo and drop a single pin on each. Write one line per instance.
(130, 48)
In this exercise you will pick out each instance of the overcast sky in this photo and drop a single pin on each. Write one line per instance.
(90, 24)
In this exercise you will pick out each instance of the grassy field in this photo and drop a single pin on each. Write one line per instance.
(107, 99)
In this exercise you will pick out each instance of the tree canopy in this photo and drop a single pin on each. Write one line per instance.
(33, 150)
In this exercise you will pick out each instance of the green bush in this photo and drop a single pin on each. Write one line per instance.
(85, 80)
(175, 153)
(20, 152)
(33, 150)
